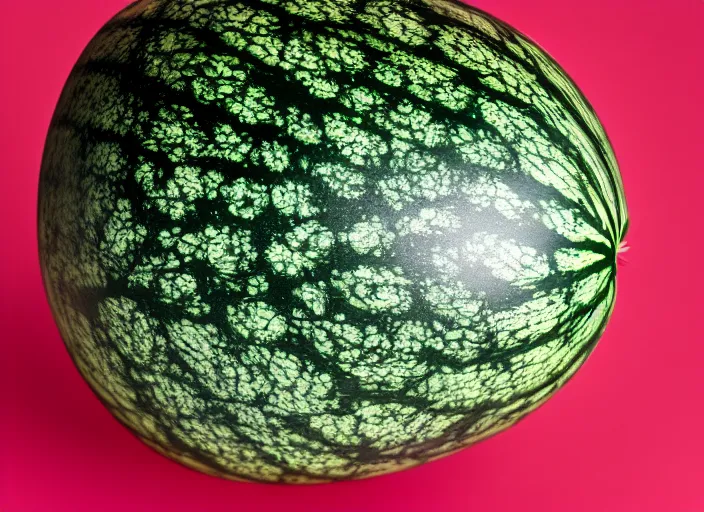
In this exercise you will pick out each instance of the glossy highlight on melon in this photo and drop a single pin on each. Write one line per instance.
(311, 240)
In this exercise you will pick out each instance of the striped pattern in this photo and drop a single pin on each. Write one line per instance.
(310, 240)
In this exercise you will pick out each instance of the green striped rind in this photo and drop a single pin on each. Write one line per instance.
(294, 240)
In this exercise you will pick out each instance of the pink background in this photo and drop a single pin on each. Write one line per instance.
(626, 434)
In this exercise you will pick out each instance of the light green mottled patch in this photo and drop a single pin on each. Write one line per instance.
(273, 155)
(122, 234)
(134, 334)
(396, 22)
(586, 289)
(257, 320)
(343, 181)
(179, 289)
(257, 285)
(429, 221)
(246, 199)
(305, 247)
(360, 147)
(369, 237)
(517, 264)
(361, 99)
(420, 177)
(301, 126)
(454, 302)
(529, 320)
(229, 144)
(254, 107)
(374, 289)
(572, 260)
(292, 198)
(175, 134)
(488, 191)
(314, 296)
(569, 223)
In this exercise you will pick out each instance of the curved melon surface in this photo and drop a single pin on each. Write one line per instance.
(309, 240)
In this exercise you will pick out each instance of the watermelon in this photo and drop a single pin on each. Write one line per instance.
(302, 241)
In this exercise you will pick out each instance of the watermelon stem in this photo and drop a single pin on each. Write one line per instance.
(622, 248)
